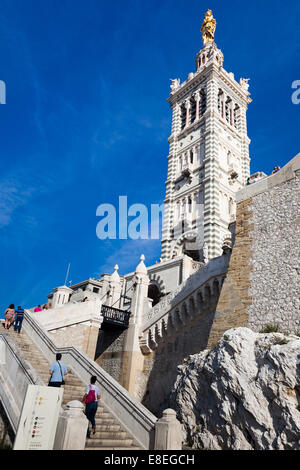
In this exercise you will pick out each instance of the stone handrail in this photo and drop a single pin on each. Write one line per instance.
(68, 314)
(15, 375)
(135, 418)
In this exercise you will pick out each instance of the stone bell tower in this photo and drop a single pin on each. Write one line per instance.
(208, 157)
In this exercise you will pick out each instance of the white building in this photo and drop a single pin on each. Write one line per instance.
(209, 156)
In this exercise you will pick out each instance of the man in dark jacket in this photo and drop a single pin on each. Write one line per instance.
(19, 319)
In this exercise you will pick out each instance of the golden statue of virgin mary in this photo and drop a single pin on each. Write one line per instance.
(208, 28)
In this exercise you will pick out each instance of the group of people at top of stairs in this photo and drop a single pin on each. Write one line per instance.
(45, 307)
(258, 176)
(58, 370)
(14, 316)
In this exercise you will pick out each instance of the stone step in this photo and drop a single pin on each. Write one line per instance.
(39, 361)
(130, 448)
(70, 383)
(108, 427)
(104, 415)
(106, 421)
(109, 442)
(109, 435)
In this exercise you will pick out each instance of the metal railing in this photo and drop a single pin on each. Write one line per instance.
(115, 316)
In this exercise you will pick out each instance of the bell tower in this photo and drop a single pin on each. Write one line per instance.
(208, 157)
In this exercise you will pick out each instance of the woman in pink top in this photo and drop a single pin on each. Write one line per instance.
(9, 315)
(38, 309)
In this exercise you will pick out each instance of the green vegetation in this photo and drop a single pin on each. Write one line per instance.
(269, 328)
(281, 341)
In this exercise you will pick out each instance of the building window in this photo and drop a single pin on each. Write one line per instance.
(193, 110)
(96, 290)
(236, 116)
(220, 102)
(180, 162)
(227, 110)
(183, 116)
(202, 102)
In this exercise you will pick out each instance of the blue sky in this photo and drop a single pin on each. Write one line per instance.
(87, 120)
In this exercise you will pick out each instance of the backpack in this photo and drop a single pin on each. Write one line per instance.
(91, 396)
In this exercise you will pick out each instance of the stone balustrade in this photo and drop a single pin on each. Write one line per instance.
(133, 416)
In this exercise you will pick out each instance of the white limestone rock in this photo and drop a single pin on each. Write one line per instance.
(242, 395)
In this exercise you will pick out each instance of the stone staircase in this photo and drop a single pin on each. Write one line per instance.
(109, 433)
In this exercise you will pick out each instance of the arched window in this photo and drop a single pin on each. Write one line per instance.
(202, 102)
(183, 116)
(227, 110)
(193, 110)
(220, 102)
(236, 116)
(191, 157)
(154, 293)
(180, 162)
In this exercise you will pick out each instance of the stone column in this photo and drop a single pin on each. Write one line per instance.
(168, 432)
(133, 358)
(105, 290)
(92, 330)
(187, 107)
(116, 288)
(223, 108)
(197, 99)
(231, 113)
(72, 427)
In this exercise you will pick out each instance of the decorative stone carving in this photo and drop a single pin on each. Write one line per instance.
(227, 245)
(175, 84)
(244, 83)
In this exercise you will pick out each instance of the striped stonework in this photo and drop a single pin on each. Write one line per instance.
(208, 159)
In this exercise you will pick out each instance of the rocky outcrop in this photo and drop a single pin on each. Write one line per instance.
(244, 394)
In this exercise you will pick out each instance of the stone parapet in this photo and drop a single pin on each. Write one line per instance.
(73, 324)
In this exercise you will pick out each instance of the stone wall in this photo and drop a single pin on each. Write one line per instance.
(232, 306)
(262, 284)
(275, 276)
(160, 367)
(76, 335)
(73, 324)
(109, 351)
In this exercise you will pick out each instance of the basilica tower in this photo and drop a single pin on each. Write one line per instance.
(208, 157)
